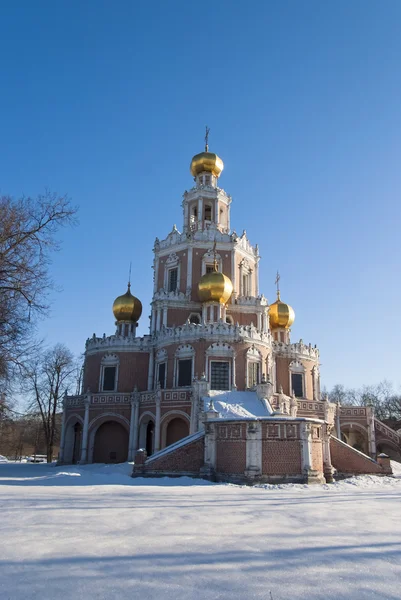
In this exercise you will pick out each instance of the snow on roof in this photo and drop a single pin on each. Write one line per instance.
(238, 405)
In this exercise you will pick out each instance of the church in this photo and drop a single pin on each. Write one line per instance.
(217, 389)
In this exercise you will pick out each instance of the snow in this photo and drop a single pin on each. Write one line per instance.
(237, 405)
(3, 459)
(93, 532)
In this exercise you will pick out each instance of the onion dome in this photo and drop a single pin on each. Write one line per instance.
(282, 315)
(127, 307)
(206, 161)
(215, 287)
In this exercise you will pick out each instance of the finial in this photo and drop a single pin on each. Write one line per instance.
(129, 276)
(215, 257)
(277, 282)
(207, 139)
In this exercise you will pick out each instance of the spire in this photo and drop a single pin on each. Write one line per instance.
(207, 139)
(129, 276)
(277, 282)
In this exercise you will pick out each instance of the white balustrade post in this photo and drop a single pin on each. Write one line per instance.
(63, 422)
(133, 426)
(158, 416)
(84, 451)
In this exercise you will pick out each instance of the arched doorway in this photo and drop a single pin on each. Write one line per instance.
(150, 434)
(73, 442)
(77, 443)
(177, 429)
(111, 443)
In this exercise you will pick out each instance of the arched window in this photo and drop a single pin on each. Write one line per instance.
(208, 212)
(253, 367)
(195, 318)
(184, 365)
(108, 381)
(297, 379)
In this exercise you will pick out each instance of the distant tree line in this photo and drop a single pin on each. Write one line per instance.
(386, 402)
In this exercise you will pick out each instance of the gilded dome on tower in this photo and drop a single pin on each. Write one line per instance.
(215, 287)
(127, 307)
(281, 315)
(206, 161)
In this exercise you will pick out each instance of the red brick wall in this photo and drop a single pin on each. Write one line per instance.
(281, 457)
(347, 460)
(133, 370)
(231, 456)
(188, 458)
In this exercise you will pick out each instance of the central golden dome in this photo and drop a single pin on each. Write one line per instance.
(127, 307)
(281, 315)
(206, 161)
(215, 287)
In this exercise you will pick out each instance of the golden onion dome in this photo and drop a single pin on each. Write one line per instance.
(127, 307)
(215, 287)
(282, 315)
(206, 161)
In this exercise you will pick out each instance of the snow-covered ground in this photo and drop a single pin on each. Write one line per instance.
(92, 532)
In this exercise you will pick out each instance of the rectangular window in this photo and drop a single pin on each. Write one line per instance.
(109, 379)
(172, 280)
(185, 372)
(253, 374)
(209, 268)
(297, 384)
(207, 179)
(219, 375)
(161, 375)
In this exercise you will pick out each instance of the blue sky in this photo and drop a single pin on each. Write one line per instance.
(107, 101)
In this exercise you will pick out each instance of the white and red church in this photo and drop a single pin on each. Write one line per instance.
(217, 389)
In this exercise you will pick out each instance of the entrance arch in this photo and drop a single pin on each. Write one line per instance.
(147, 432)
(111, 443)
(176, 430)
(174, 427)
(73, 440)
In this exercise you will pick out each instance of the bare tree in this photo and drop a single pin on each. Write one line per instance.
(28, 229)
(45, 379)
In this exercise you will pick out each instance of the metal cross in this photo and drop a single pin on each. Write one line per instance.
(207, 139)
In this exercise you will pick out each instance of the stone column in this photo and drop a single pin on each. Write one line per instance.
(370, 414)
(158, 317)
(234, 375)
(84, 451)
(310, 475)
(158, 396)
(63, 422)
(194, 414)
(189, 270)
(200, 213)
(151, 369)
(328, 469)
(208, 471)
(133, 426)
(165, 315)
(253, 450)
(338, 426)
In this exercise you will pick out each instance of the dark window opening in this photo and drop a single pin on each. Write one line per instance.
(172, 280)
(109, 379)
(207, 179)
(194, 319)
(184, 372)
(208, 212)
(219, 375)
(209, 268)
(253, 374)
(161, 375)
(149, 437)
(297, 384)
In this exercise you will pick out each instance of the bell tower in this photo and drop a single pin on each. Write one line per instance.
(206, 206)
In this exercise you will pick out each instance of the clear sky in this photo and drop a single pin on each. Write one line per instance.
(107, 101)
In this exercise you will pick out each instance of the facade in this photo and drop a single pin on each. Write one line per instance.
(213, 338)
